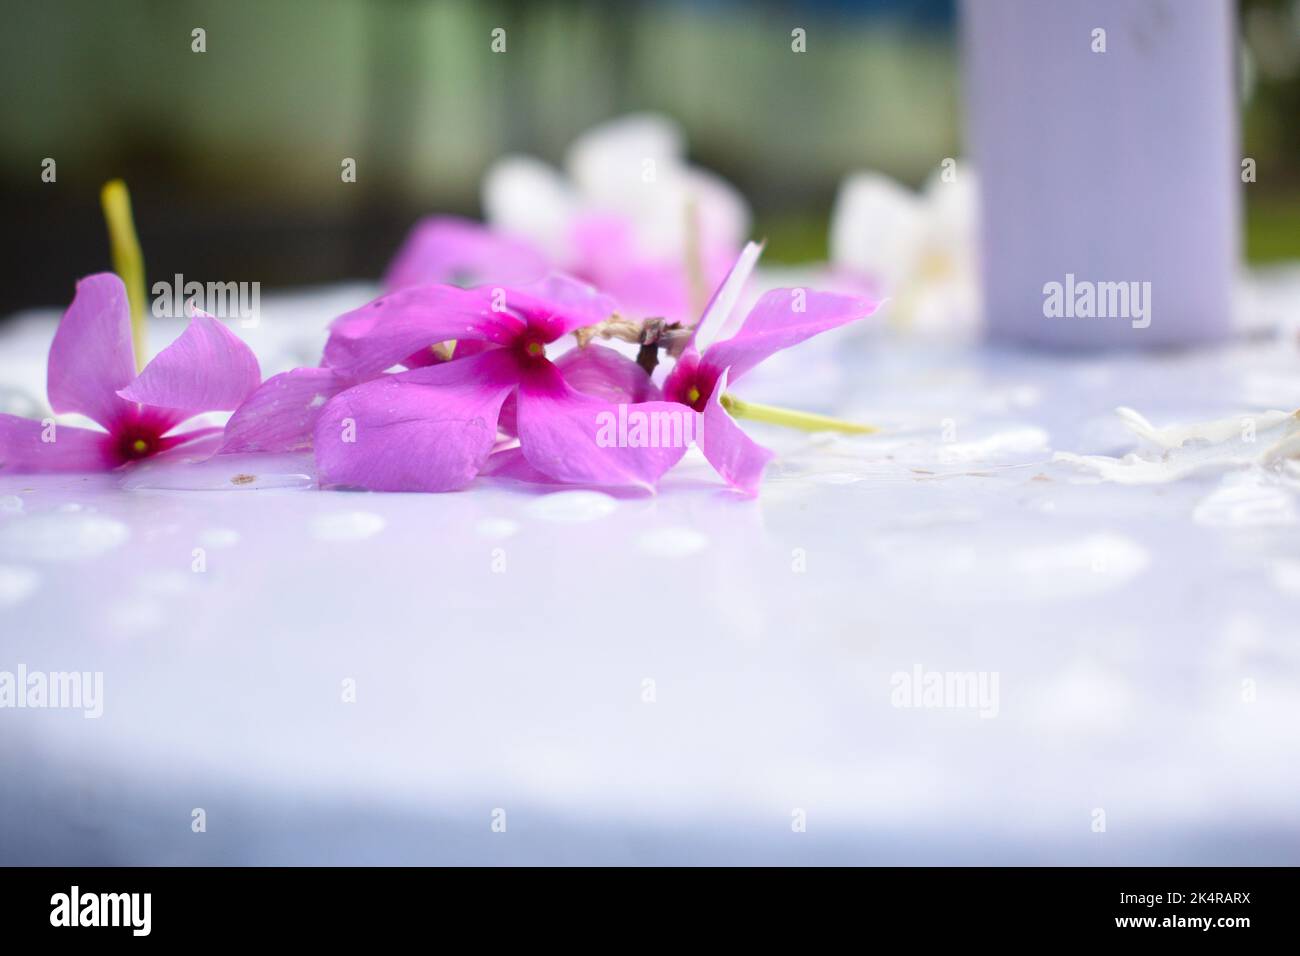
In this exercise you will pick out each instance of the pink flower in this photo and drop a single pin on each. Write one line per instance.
(281, 415)
(92, 372)
(781, 318)
(433, 428)
(645, 286)
(447, 250)
(626, 212)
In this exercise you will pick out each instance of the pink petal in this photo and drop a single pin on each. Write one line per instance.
(508, 420)
(511, 463)
(91, 357)
(646, 290)
(732, 453)
(23, 451)
(577, 438)
(774, 324)
(281, 415)
(604, 373)
(208, 368)
(392, 328)
(644, 287)
(718, 317)
(558, 304)
(426, 430)
(446, 250)
(182, 443)
(464, 348)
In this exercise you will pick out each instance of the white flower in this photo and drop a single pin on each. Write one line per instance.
(624, 211)
(632, 167)
(917, 248)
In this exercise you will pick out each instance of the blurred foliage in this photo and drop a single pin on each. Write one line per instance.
(1270, 31)
(233, 155)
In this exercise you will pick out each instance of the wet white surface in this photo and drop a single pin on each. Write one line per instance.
(669, 678)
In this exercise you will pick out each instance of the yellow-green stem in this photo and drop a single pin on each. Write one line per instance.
(128, 261)
(791, 419)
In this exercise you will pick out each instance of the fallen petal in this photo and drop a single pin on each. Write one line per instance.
(576, 438)
(446, 250)
(281, 415)
(732, 453)
(387, 331)
(780, 319)
(426, 430)
(208, 368)
(24, 448)
(91, 357)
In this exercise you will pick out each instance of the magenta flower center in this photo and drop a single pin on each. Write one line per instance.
(531, 347)
(136, 441)
(696, 391)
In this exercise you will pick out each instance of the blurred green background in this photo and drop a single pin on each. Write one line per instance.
(233, 155)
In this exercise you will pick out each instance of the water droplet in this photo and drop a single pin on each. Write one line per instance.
(16, 584)
(219, 538)
(1246, 505)
(1066, 568)
(57, 536)
(1084, 699)
(166, 582)
(128, 618)
(573, 506)
(346, 526)
(497, 528)
(672, 542)
(1095, 563)
(1286, 576)
(223, 473)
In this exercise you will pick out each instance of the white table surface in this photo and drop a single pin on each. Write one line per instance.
(500, 638)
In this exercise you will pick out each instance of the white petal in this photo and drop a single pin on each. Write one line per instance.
(531, 199)
(722, 318)
(723, 214)
(1219, 431)
(878, 228)
(619, 156)
(1222, 445)
(952, 211)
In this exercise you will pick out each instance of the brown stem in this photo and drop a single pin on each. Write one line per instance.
(652, 335)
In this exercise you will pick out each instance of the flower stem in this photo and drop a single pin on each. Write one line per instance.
(791, 419)
(128, 261)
